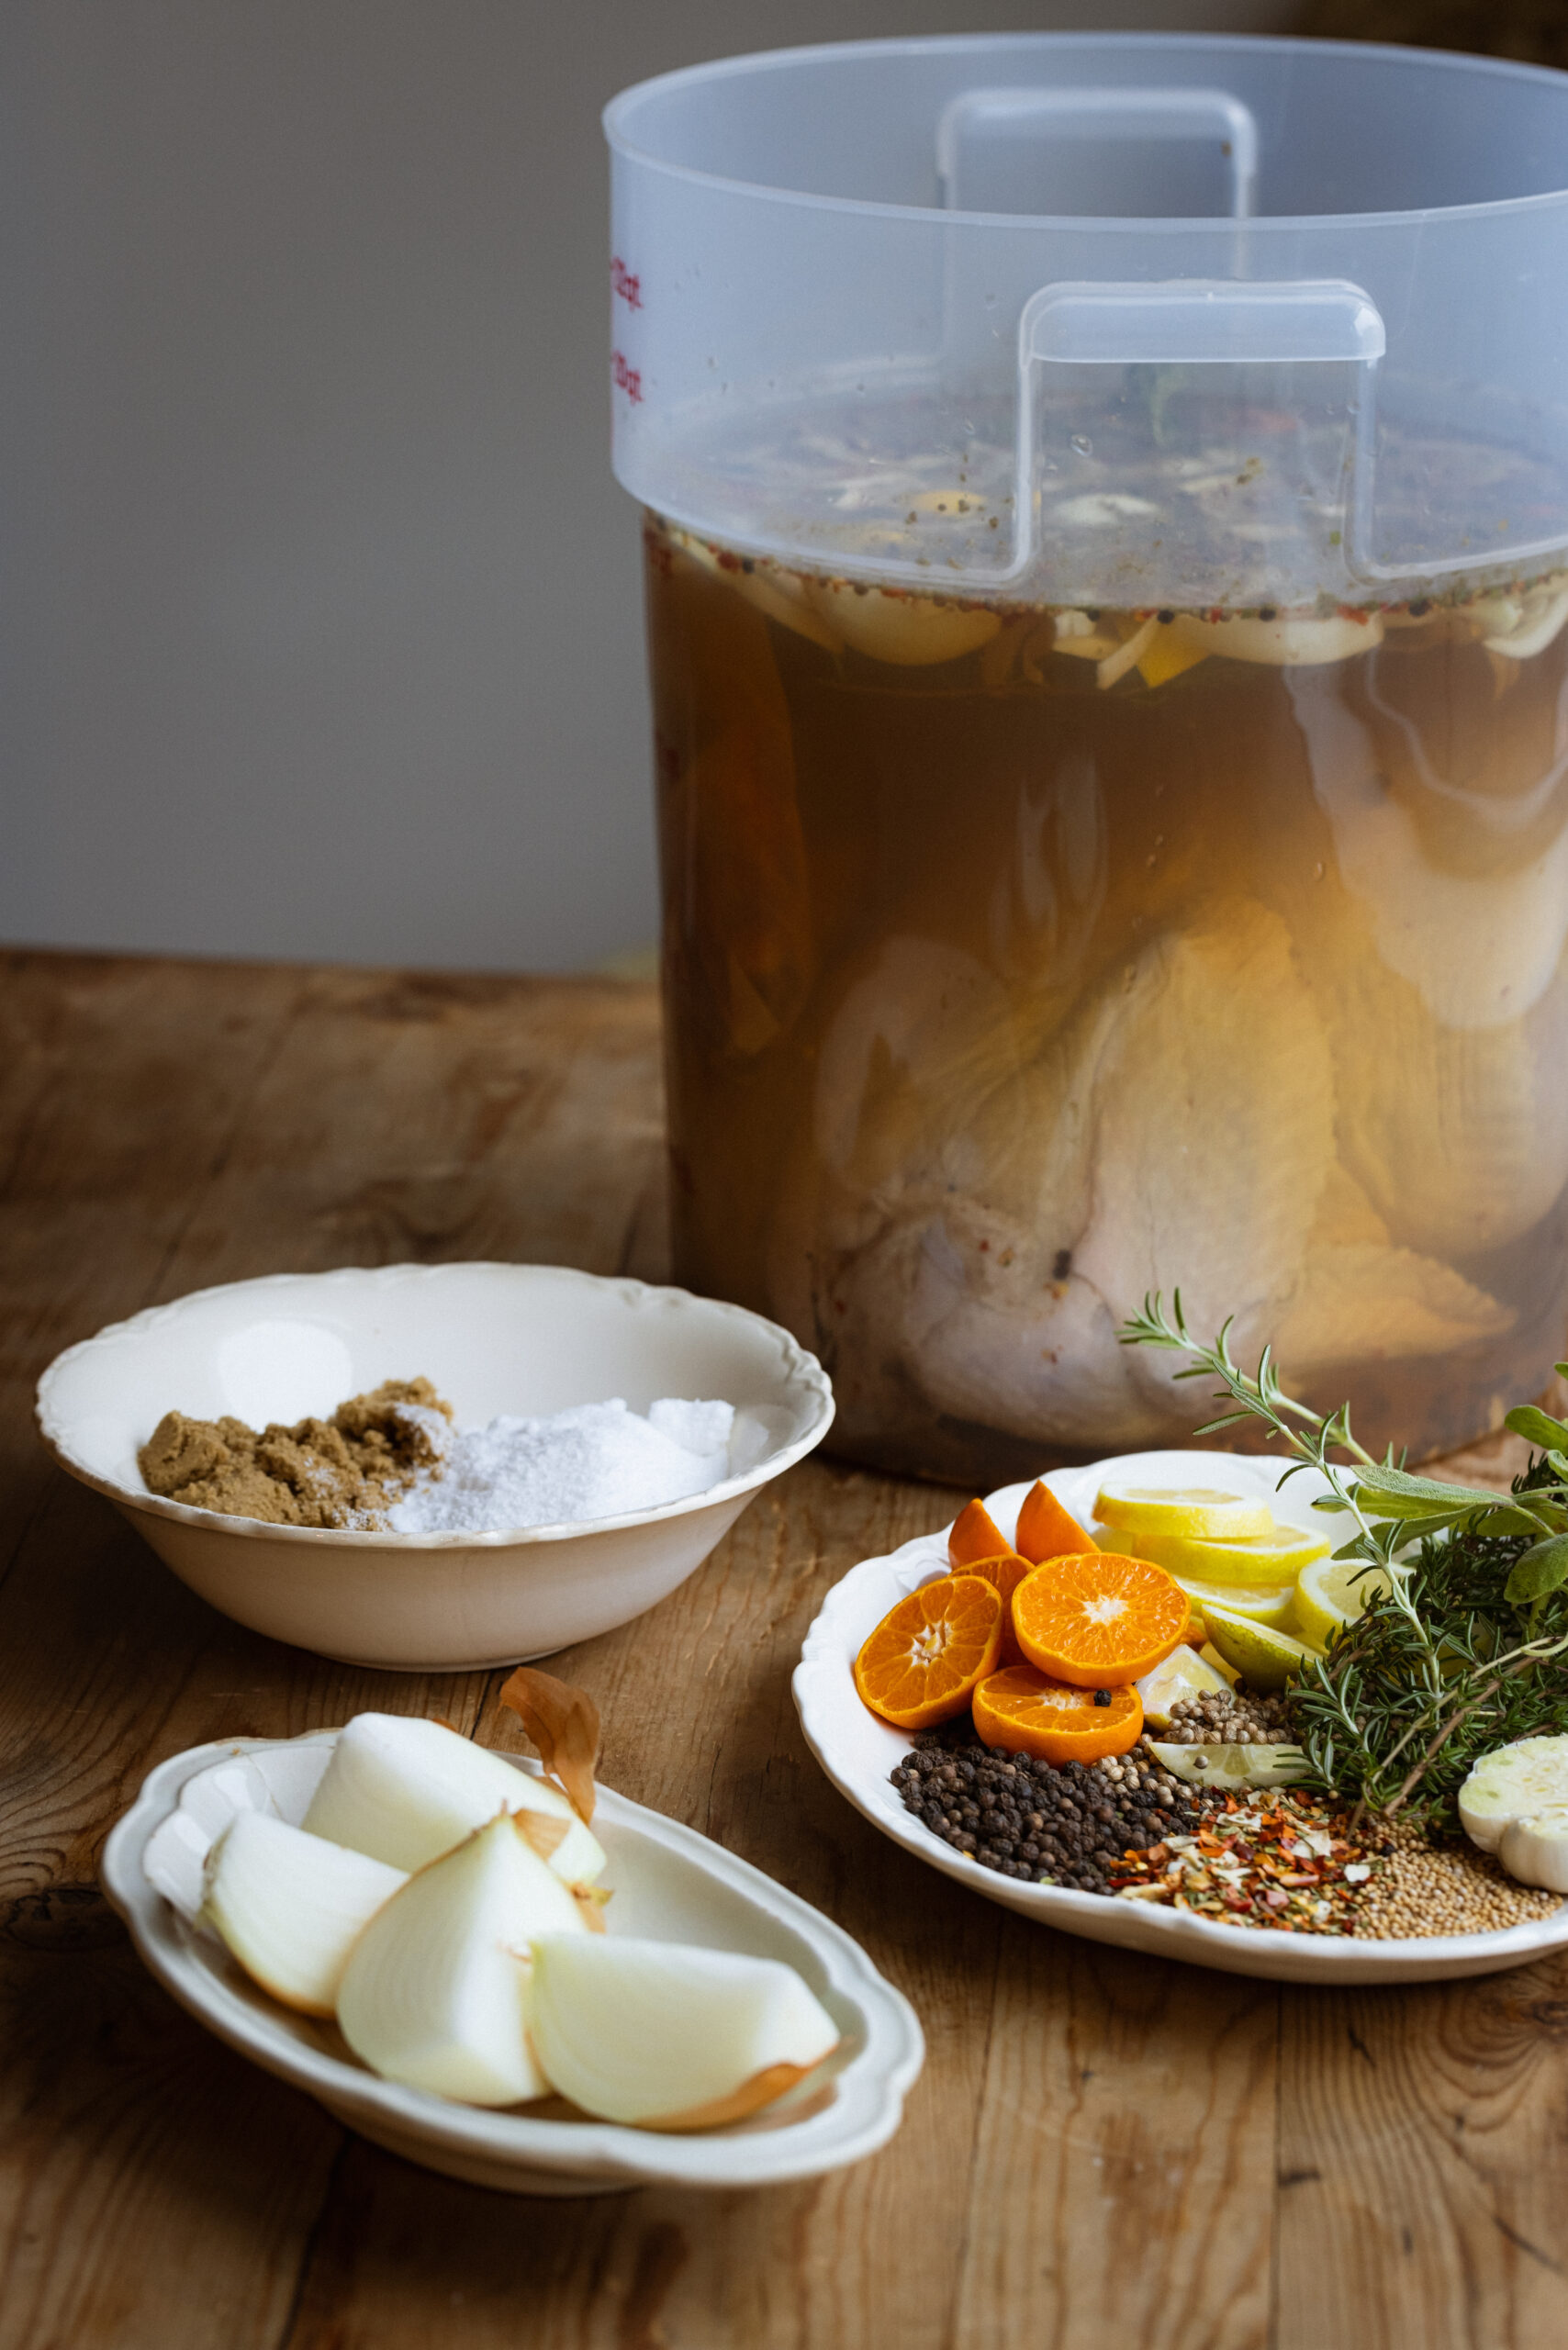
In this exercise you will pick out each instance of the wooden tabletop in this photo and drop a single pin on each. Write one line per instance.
(1103, 2149)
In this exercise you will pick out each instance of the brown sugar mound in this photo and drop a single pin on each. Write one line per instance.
(345, 1471)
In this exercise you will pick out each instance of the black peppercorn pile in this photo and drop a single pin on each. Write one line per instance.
(1029, 1819)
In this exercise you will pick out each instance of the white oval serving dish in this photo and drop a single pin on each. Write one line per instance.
(857, 1752)
(668, 1883)
(494, 1338)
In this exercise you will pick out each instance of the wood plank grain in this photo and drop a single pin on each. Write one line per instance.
(156, 2190)
(368, 1118)
(120, 1085)
(1421, 2161)
(1129, 2110)
(160, 1130)
(1100, 2145)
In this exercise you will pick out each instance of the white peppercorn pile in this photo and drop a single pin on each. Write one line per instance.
(1233, 1718)
(1029, 1819)
(1428, 1887)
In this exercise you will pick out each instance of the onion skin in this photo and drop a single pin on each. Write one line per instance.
(763, 2089)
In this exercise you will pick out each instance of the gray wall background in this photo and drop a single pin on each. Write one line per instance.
(320, 605)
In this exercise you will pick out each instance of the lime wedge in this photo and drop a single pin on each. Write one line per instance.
(1327, 1599)
(1265, 1659)
(1198, 1511)
(1183, 1674)
(1230, 1768)
(1268, 1603)
(1274, 1557)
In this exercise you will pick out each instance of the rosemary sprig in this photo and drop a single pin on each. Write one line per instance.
(1467, 1646)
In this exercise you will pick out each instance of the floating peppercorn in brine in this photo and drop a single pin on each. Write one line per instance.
(1023, 958)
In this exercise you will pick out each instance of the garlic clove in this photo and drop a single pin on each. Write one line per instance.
(1298, 641)
(435, 1991)
(1535, 1848)
(405, 1790)
(892, 624)
(670, 2037)
(291, 1906)
(1512, 1780)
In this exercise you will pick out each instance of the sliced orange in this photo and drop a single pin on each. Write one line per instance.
(1099, 1620)
(974, 1534)
(1045, 1529)
(927, 1655)
(1006, 1573)
(1028, 1713)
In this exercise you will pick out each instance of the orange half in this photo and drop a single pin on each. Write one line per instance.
(1045, 1529)
(1028, 1714)
(929, 1653)
(974, 1534)
(1006, 1573)
(1098, 1619)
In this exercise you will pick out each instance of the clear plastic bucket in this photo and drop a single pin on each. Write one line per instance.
(1108, 573)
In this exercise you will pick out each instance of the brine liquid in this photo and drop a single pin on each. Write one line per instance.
(1020, 962)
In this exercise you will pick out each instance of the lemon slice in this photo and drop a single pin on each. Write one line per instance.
(1197, 1511)
(1276, 1556)
(1327, 1599)
(1183, 1674)
(1265, 1659)
(1268, 1603)
(1230, 1768)
(1218, 1663)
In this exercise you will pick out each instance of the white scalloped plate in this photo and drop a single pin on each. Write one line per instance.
(857, 1752)
(669, 1883)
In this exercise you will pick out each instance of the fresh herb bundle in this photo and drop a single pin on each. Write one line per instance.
(1467, 1646)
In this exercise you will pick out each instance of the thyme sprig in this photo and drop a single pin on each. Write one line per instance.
(1464, 1643)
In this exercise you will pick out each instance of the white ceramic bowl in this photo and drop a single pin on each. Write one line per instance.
(667, 1883)
(494, 1338)
(857, 1752)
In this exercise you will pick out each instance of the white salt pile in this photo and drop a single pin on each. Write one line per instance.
(595, 1460)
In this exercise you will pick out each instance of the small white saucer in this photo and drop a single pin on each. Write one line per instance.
(667, 1883)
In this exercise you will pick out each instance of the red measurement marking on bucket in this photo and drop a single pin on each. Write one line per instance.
(627, 379)
(629, 287)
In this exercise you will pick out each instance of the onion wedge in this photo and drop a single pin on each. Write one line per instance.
(668, 2037)
(291, 1907)
(435, 1991)
(406, 1790)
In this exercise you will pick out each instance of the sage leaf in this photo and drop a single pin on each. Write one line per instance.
(1536, 1427)
(1539, 1570)
(1394, 1485)
(1507, 1520)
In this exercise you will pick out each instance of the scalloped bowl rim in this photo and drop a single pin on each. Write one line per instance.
(823, 1691)
(800, 1373)
(863, 2114)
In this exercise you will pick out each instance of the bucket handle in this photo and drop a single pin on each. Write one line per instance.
(1201, 322)
(974, 126)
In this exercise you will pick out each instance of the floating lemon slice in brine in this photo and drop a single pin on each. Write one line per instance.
(1196, 1511)
(1274, 1559)
(1327, 1598)
(1265, 1659)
